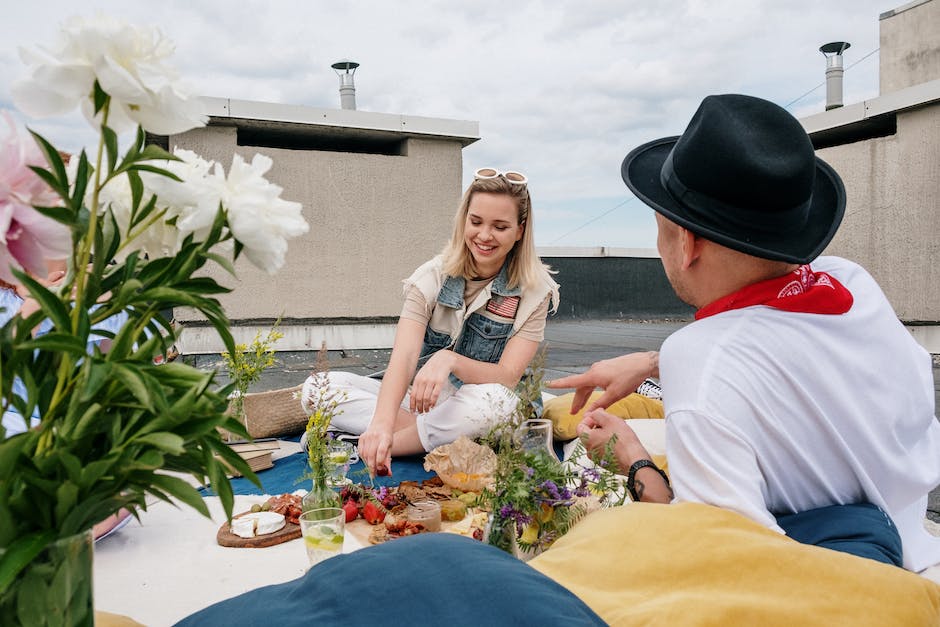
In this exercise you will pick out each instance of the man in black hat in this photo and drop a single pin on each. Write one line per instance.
(796, 397)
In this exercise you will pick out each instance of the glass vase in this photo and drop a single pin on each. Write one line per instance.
(55, 588)
(320, 495)
(535, 436)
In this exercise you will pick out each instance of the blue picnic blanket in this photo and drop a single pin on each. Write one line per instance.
(288, 472)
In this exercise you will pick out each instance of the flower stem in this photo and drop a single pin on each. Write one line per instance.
(65, 381)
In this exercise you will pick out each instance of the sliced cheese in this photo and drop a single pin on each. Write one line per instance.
(257, 524)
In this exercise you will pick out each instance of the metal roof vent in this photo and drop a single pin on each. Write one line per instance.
(346, 69)
(833, 53)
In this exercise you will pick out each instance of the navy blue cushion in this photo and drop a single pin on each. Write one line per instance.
(429, 579)
(860, 529)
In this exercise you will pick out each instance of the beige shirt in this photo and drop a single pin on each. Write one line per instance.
(418, 309)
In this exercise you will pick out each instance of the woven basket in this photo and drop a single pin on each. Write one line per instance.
(275, 413)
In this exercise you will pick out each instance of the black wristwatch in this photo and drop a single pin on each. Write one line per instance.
(631, 475)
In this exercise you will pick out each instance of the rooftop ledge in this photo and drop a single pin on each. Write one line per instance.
(869, 118)
(248, 113)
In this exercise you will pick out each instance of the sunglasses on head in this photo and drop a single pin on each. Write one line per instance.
(516, 178)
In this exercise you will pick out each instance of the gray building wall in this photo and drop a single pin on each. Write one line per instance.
(373, 219)
(887, 151)
(909, 52)
(892, 222)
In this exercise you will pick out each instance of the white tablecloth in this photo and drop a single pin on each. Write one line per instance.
(169, 565)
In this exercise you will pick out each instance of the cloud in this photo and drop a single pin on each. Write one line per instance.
(562, 89)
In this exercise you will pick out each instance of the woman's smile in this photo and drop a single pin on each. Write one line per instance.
(491, 230)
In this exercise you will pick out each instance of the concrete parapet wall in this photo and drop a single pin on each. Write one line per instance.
(615, 287)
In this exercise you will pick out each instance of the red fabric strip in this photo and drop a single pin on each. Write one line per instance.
(802, 291)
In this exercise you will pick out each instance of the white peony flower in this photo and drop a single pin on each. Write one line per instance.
(258, 218)
(157, 240)
(194, 200)
(129, 64)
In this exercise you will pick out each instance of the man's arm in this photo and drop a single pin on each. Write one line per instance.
(618, 377)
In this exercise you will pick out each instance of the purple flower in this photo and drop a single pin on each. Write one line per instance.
(551, 488)
(591, 474)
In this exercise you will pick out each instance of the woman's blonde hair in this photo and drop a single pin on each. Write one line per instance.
(525, 269)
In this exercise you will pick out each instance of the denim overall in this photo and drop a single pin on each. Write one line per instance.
(481, 338)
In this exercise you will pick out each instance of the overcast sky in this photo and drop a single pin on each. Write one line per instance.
(562, 90)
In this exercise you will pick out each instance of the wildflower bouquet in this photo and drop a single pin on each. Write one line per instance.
(246, 365)
(535, 498)
(136, 225)
(320, 403)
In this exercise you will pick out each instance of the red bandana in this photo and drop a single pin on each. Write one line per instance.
(802, 291)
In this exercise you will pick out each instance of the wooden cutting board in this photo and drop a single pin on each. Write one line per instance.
(225, 537)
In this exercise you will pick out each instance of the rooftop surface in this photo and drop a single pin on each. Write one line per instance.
(573, 345)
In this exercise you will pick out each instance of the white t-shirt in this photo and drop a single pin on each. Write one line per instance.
(773, 411)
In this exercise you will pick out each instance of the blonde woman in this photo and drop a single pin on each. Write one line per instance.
(472, 321)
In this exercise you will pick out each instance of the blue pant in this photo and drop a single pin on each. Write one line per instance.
(861, 529)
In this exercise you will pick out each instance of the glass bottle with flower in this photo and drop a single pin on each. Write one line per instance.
(321, 403)
(89, 431)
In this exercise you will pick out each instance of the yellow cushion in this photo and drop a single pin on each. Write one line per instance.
(693, 564)
(107, 619)
(558, 410)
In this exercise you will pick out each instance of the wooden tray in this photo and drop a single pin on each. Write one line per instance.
(225, 537)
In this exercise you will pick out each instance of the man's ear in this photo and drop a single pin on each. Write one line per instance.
(690, 245)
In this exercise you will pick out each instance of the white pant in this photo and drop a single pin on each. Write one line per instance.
(470, 410)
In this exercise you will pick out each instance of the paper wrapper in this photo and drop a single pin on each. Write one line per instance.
(463, 464)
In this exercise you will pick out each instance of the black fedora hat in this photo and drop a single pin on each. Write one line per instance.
(744, 175)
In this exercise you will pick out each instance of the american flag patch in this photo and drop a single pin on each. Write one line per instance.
(504, 306)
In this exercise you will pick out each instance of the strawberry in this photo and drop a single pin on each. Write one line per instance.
(372, 513)
(352, 510)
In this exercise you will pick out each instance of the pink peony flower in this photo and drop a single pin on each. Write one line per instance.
(27, 238)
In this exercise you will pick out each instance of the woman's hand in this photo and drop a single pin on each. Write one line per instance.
(375, 450)
(431, 381)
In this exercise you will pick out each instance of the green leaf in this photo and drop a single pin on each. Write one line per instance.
(82, 175)
(141, 167)
(100, 97)
(57, 178)
(73, 467)
(151, 459)
(23, 551)
(56, 341)
(111, 146)
(169, 442)
(222, 261)
(131, 379)
(51, 305)
(65, 499)
(97, 375)
(137, 188)
(94, 471)
(152, 151)
(87, 422)
(59, 214)
(181, 490)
